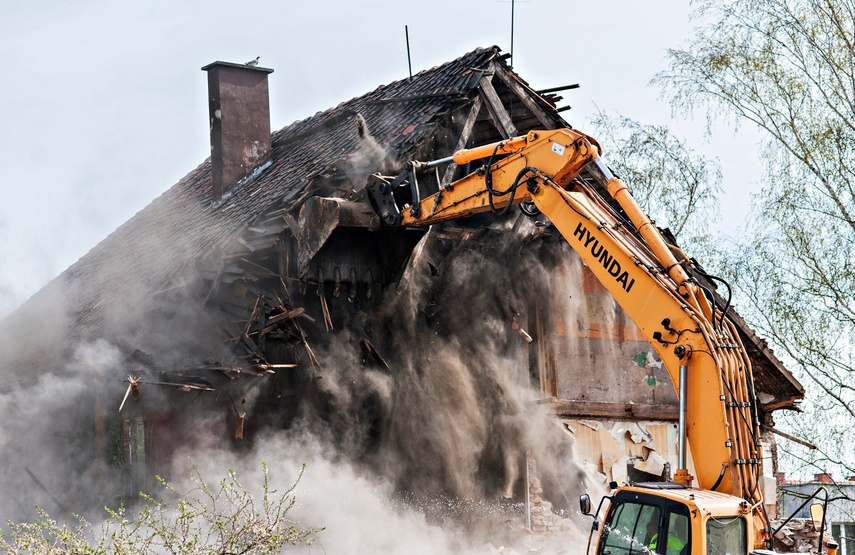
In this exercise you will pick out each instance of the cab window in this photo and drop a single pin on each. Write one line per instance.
(677, 531)
(726, 536)
(631, 529)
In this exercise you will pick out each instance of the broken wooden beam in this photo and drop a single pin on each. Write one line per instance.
(285, 316)
(614, 411)
(239, 425)
(373, 354)
(525, 98)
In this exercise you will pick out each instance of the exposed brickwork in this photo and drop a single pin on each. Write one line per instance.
(543, 520)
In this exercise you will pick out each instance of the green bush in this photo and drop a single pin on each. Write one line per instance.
(223, 520)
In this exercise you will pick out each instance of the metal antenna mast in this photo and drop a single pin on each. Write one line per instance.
(511, 60)
(409, 61)
(513, 16)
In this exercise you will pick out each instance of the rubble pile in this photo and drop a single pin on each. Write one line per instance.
(798, 536)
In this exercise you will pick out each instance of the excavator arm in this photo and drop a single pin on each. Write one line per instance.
(698, 345)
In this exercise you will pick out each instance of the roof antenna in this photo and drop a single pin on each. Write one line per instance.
(409, 62)
(511, 60)
(513, 5)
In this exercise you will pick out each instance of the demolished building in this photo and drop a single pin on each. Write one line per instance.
(426, 356)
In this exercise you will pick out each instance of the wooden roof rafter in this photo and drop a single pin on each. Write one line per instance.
(498, 113)
(525, 96)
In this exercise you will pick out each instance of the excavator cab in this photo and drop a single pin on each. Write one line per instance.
(641, 524)
(663, 518)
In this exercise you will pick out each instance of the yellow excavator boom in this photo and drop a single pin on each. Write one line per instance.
(696, 342)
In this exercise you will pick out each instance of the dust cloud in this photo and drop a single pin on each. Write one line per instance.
(416, 425)
(448, 417)
(362, 512)
(48, 456)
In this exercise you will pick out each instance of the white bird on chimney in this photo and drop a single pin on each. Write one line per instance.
(253, 62)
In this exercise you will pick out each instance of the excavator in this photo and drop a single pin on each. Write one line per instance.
(560, 173)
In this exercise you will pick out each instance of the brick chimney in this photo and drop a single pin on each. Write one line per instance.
(824, 478)
(239, 108)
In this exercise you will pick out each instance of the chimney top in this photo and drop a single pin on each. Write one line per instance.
(234, 65)
(823, 477)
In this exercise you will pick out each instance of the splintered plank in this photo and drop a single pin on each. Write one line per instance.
(267, 368)
(375, 356)
(243, 242)
(288, 315)
(184, 386)
(251, 319)
(325, 310)
(241, 420)
(260, 326)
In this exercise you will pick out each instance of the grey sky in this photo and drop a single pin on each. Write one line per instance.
(103, 105)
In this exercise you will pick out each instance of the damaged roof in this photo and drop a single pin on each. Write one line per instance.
(183, 225)
(422, 117)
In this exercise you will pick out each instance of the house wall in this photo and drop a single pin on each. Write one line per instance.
(601, 356)
(601, 364)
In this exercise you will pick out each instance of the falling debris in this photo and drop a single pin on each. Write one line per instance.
(374, 355)
(516, 327)
(325, 310)
(132, 387)
(239, 424)
(184, 384)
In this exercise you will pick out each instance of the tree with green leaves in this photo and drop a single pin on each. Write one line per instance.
(226, 519)
(788, 68)
(675, 186)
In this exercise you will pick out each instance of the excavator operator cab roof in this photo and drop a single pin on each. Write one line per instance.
(710, 502)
